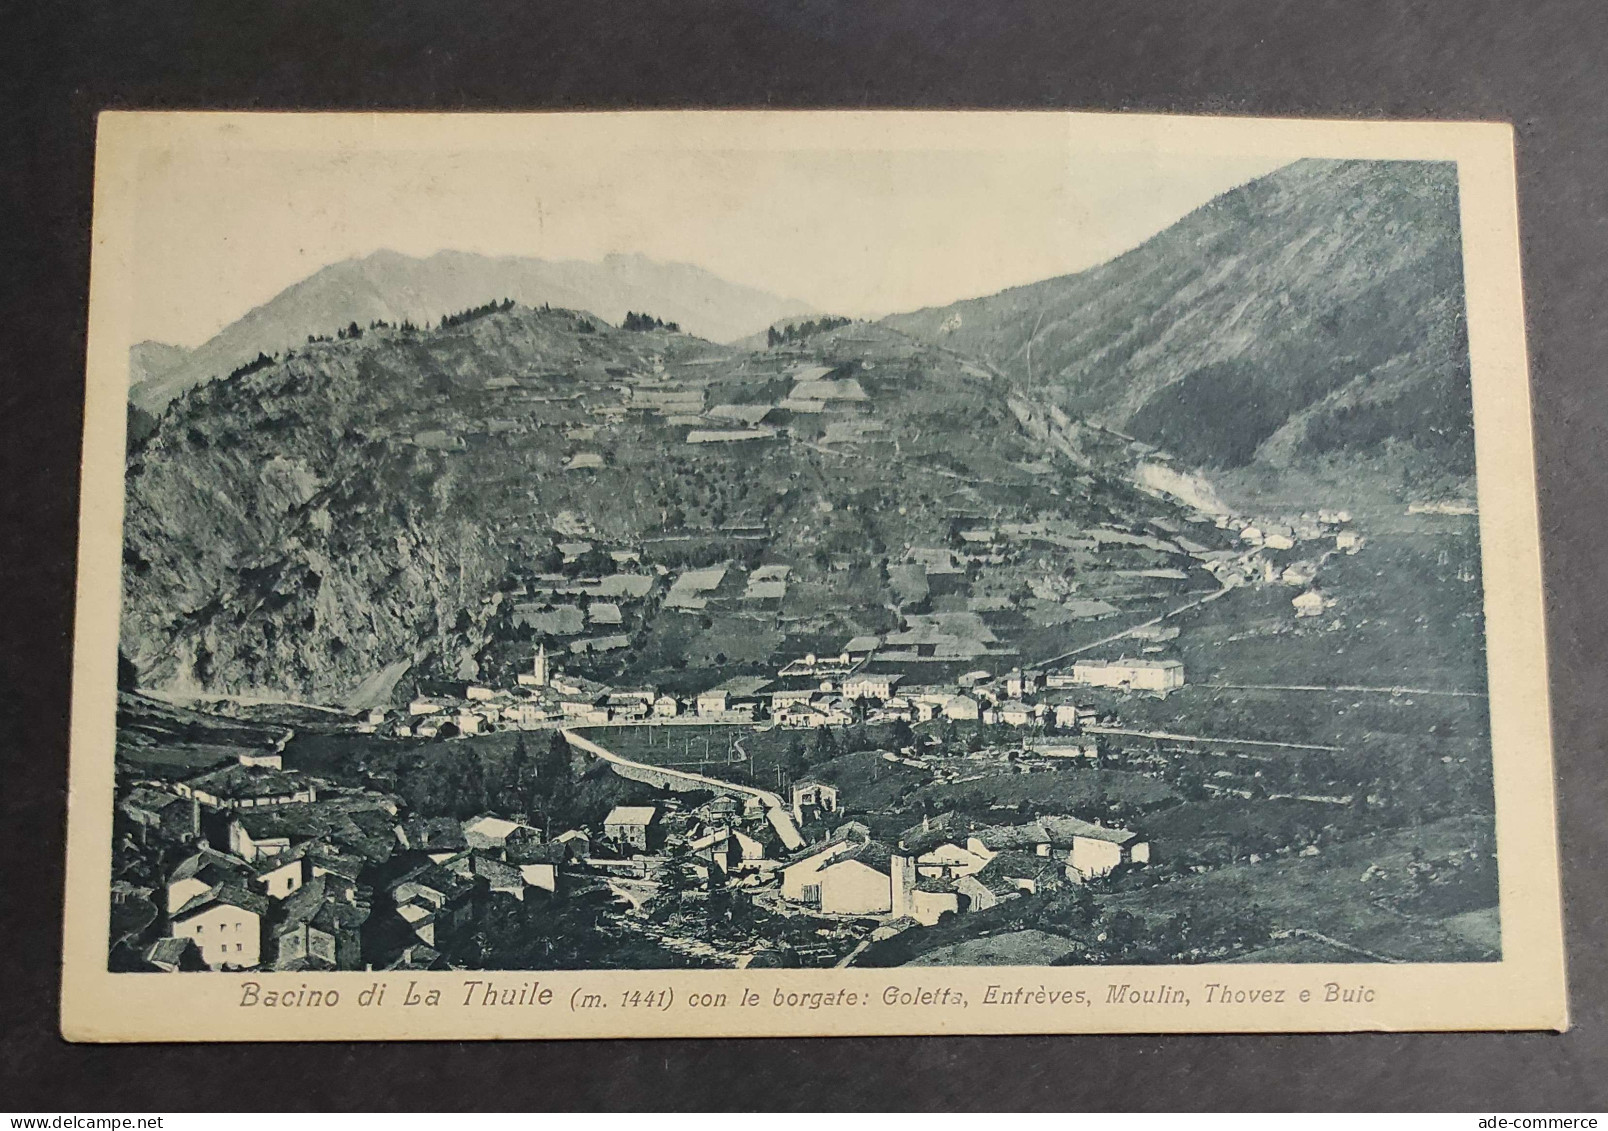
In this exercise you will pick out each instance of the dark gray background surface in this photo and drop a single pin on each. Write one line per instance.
(1538, 65)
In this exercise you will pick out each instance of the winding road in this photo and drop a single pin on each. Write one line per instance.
(1133, 628)
(776, 810)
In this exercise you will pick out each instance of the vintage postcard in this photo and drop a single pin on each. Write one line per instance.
(656, 574)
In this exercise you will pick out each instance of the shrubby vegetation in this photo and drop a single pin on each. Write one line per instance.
(475, 312)
(644, 322)
(798, 331)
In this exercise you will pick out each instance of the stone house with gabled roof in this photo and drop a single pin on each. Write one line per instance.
(200, 872)
(491, 831)
(632, 825)
(858, 881)
(435, 902)
(538, 864)
(226, 922)
(163, 812)
(245, 787)
(173, 955)
(320, 927)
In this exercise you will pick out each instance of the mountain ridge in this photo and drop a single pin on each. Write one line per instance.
(394, 287)
(297, 527)
(1315, 310)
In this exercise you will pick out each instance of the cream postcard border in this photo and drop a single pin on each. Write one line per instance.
(1525, 990)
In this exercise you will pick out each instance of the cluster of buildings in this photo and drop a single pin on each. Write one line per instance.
(1287, 550)
(277, 870)
(807, 693)
(683, 402)
(938, 868)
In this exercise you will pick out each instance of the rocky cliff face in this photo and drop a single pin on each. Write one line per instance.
(284, 531)
(1314, 314)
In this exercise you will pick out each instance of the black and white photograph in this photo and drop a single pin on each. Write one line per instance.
(782, 544)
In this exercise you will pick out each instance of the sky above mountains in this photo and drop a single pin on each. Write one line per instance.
(851, 226)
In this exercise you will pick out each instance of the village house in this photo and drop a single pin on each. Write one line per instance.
(737, 699)
(173, 955)
(924, 899)
(242, 787)
(1020, 683)
(941, 858)
(200, 872)
(856, 881)
(1087, 849)
(436, 903)
(962, 708)
(1032, 838)
(489, 831)
(530, 714)
(870, 686)
(799, 884)
(364, 822)
(1096, 850)
(823, 711)
(258, 835)
(633, 825)
(437, 837)
(584, 712)
(712, 704)
(281, 876)
(628, 707)
(719, 810)
(853, 874)
(226, 923)
(1008, 875)
(812, 799)
(576, 687)
(575, 842)
(728, 849)
(895, 709)
(1161, 676)
(1068, 716)
(666, 707)
(320, 927)
(799, 689)
(1015, 713)
(156, 810)
(538, 864)
(497, 874)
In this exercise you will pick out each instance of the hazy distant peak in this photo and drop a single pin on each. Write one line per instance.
(393, 286)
